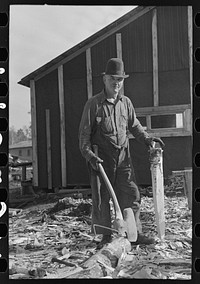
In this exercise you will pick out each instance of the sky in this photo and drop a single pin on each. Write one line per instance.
(38, 34)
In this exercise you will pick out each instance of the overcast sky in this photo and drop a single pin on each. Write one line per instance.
(40, 33)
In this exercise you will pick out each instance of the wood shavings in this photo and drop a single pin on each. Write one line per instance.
(33, 243)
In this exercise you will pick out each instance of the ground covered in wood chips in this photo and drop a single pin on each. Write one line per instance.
(52, 239)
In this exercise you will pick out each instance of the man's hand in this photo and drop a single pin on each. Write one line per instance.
(158, 140)
(94, 162)
(150, 141)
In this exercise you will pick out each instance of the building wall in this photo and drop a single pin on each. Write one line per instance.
(173, 55)
(172, 38)
(24, 154)
(137, 55)
(47, 98)
(173, 157)
(75, 90)
(173, 77)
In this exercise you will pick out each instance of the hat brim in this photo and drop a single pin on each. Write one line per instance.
(114, 75)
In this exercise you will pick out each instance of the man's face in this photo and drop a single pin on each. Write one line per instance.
(113, 84)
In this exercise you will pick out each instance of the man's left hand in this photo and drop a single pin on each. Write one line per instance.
(157, 140)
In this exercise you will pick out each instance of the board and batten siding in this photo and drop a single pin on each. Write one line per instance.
(34, 132)
(76, 95)
(63, 89)
(47, 97)
(62, 126)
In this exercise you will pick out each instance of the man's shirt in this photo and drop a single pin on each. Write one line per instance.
(114, 119)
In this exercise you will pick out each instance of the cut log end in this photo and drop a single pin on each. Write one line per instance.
(103, 262)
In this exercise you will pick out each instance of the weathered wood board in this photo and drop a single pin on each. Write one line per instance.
(156, 161)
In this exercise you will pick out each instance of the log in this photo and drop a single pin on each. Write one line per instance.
(104, 261)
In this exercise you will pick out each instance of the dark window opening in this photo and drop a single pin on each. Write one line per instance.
(166, 121)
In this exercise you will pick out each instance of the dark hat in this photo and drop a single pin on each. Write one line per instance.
(115, 67)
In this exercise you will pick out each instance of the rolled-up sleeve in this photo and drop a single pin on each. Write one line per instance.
(85, 130)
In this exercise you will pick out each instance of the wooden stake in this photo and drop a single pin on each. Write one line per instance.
(158, 189)
(155, 58)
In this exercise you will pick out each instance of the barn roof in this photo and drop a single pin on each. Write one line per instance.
(22, 144)
(82, 46)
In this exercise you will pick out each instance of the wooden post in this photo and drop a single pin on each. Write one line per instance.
(62, 126)
(34, 133)
(155, 58)
(119, 51)
(89, 72)
(188, 186)
(156, 162)
(48, 141)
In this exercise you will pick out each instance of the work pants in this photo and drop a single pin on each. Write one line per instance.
(118, 167)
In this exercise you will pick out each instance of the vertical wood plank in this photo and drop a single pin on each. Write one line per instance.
(48, 144)
(156, 161)
(155, 58)
(89, 72)
(119, 45)
(119, 51)
(148, 120)
(188, 186)
(34, 133)
(62, 126)
(187, 120)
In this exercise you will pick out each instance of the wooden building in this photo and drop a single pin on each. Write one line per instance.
(155, 43)
(22, 150)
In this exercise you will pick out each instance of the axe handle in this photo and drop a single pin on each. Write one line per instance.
(112, 193)
(118, 212)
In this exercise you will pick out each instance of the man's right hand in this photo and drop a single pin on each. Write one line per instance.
(94, 162)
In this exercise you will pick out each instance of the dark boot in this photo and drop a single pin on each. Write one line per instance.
(143, 240)
(105, 239)
(136, 211)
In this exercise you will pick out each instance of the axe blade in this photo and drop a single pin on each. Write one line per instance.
(131, 228)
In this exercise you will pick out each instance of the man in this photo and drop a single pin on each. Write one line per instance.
(107, 119)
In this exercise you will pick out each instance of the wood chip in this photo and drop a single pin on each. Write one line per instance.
(36, 243)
